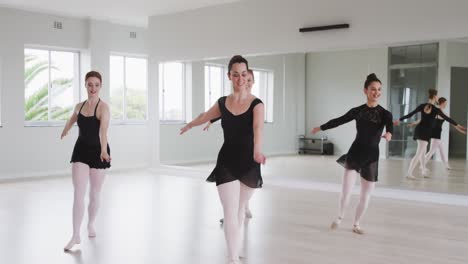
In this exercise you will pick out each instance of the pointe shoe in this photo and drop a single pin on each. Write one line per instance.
(410, 177)
(248, 213)
(335, 224)
(73, 241)
(91, 231)
(358, 230)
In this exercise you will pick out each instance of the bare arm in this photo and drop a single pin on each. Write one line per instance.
(104, 117)
(213, 113)
(415, 123)
(258, 123)
(70, 122)
(460, 129)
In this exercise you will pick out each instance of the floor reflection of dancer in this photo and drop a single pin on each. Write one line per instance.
(237, 172)
(363, 156)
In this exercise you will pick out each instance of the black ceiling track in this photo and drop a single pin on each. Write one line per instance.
(322, 28)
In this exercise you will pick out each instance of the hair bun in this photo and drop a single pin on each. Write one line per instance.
(372, 76)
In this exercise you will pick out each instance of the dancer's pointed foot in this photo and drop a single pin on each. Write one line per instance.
(357, 229)
(74, 241)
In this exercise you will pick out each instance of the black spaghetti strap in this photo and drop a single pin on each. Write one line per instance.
(82, 106)
(95, 109)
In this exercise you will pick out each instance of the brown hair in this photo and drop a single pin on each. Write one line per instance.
(251, 73)
(432, 93)
(370, 79)
(442, 100)
(237, 59)
(93, 74)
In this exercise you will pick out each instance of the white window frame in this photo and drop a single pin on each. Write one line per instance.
(76, 84)
(126, 121)
(270, 88)
(185, 82)
(224, 86)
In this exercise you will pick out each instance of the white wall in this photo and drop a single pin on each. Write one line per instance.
(280, 136)
(37, 151)
(335, 83)
(271, 26)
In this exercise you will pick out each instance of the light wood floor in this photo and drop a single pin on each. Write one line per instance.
(391, 173)
(150, 218)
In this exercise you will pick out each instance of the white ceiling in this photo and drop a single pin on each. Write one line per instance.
(130, 12)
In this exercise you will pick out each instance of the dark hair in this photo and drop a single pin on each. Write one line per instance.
(237, 59)
(251, 73)
(93, 74)
(442, 100)
(432, 93)
(370, 79)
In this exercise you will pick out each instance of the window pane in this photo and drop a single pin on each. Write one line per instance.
(136, 85)
(214, 85)
(36, 81)
(270, 97)
(263, 89)
(116, 86)
(173, 85)
(161, 94)
(216, 82)
(62, 78)
(207, 88)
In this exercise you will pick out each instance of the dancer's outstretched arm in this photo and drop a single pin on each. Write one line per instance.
(213, 113)
(348, 117)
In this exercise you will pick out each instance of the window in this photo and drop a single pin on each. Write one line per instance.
(216, 84)
(128, 88)
(172, 92)
(263, 89)
(51, 80)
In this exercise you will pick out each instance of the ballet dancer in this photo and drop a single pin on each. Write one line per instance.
(363, 156)
(250, 83)
(436, 142)
(237, 172)
(91, 155)
(423, 130)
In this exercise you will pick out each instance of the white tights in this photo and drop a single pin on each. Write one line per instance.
(80, 174)
(436, 144)
(418, 157)
(349, 179)
(234, 197)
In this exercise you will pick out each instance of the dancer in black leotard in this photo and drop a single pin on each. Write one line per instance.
(436, 142)
(237, 172)
(250, 83)
(363, 156)
(423, 131)
(90, 156)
